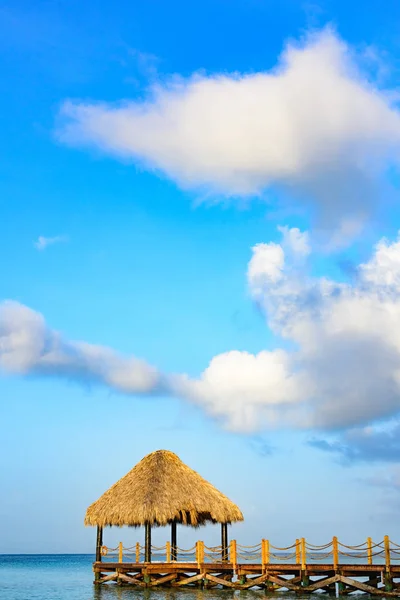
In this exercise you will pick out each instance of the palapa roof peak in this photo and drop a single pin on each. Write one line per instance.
(159, 490)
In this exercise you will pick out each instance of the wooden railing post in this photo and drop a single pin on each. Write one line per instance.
(369, 550)
(137, 552)
(264, 553)
(387, 552)
(200, 553)
(335, 552)
(303, 554)
(233, 553)
(297, 552)
(120, 552)
(168, 551)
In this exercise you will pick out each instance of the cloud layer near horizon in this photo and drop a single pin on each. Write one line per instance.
(345, 339)
(312, 126)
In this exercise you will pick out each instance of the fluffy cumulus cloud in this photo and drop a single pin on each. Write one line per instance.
(246, 391)
(345, 336)
(340, 369)
(313, 126)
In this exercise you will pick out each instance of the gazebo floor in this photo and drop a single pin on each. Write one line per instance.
(342, 579)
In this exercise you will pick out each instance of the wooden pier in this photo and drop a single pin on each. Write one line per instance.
(334, 568)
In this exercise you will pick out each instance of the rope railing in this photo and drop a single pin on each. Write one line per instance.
(284, 548)
(300, 552)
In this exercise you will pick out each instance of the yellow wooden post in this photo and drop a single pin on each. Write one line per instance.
(200, 553)
(168, 551)
(120, 555)
(263, 552)
(266, 552)
(369, 550)
(297, 552)
(137, 552)
(335, 551)
(303, 554)
(387, 552)
(233, 555)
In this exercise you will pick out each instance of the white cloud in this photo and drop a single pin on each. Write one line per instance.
(43, 242)
(29, 346)
(343, 370)
(340, 367)
(246, 391)
(313, 125)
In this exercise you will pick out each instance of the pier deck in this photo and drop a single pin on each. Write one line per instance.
(300, 568)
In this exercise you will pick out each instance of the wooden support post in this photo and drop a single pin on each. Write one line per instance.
(147, 543)
(120, 552)
(173, 541)
(137, 552)
(335, 552)
(298, 552)
(99, 543)
(341, 588)
(168, 552)
(268, 587)
(388, 578)
(305, 580)
(224, 542)
(233, 553)
(369, 550)
(388, 582)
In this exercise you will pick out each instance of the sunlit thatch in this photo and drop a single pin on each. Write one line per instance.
(159, 490)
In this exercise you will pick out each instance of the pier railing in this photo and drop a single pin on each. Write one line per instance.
(301, 552)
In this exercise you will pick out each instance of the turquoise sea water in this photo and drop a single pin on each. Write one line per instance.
(70, 577)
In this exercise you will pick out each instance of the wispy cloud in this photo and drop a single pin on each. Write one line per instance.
(261, 446)
(368, 445)
(43, 242)
(29, 346)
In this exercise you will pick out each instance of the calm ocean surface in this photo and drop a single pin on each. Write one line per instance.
(70, 577)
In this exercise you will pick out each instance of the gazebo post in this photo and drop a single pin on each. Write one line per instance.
(224, 542)
(99, 543)
(147, 543)
(173, 541)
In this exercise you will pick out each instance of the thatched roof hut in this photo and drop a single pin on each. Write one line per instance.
(162, 490)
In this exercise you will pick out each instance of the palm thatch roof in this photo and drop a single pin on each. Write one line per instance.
(159, 490)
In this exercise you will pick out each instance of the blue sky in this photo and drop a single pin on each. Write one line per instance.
(149, 231)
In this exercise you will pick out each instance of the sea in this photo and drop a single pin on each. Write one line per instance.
(70, 577)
